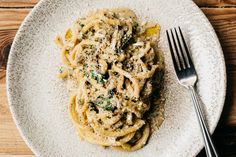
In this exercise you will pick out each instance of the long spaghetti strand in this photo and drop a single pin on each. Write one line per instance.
(109, 60)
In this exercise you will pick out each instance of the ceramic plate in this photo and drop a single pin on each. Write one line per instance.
(39, 100)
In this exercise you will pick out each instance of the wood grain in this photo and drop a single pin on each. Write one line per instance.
(10, 140)
(12, 12)
(17, 3)
(207, 3)
(12, 18)
(224, 22)
(230, 2)
(215, 3)
(6, 37)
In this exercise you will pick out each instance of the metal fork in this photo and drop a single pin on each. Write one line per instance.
(187, 77)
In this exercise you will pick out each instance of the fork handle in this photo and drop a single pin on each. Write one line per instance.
(209, 146)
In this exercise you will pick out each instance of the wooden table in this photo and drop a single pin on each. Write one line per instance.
(222, 15)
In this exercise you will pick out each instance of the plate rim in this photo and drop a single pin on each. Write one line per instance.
(32, 13)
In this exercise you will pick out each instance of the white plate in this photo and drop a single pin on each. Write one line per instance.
(39, 101)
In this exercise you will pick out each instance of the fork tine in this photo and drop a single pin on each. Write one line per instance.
(181, 50)
(186, 49)
(177, 50)
(172, 52)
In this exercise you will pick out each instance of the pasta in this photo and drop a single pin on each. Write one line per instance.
(114, 65)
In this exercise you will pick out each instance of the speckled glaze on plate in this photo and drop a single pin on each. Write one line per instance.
(39, 101)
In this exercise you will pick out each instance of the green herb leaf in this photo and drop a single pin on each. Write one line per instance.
(81, 25)
(94, 74)
(85, 66)
(101, 96)
(99, 100)
(134, 27)
(108, 107)
(100, 80)
(97, 103)
(118, 50)
(86, 74)
(110, 93)
(61, 70)
(127, 39)
(99, 77)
